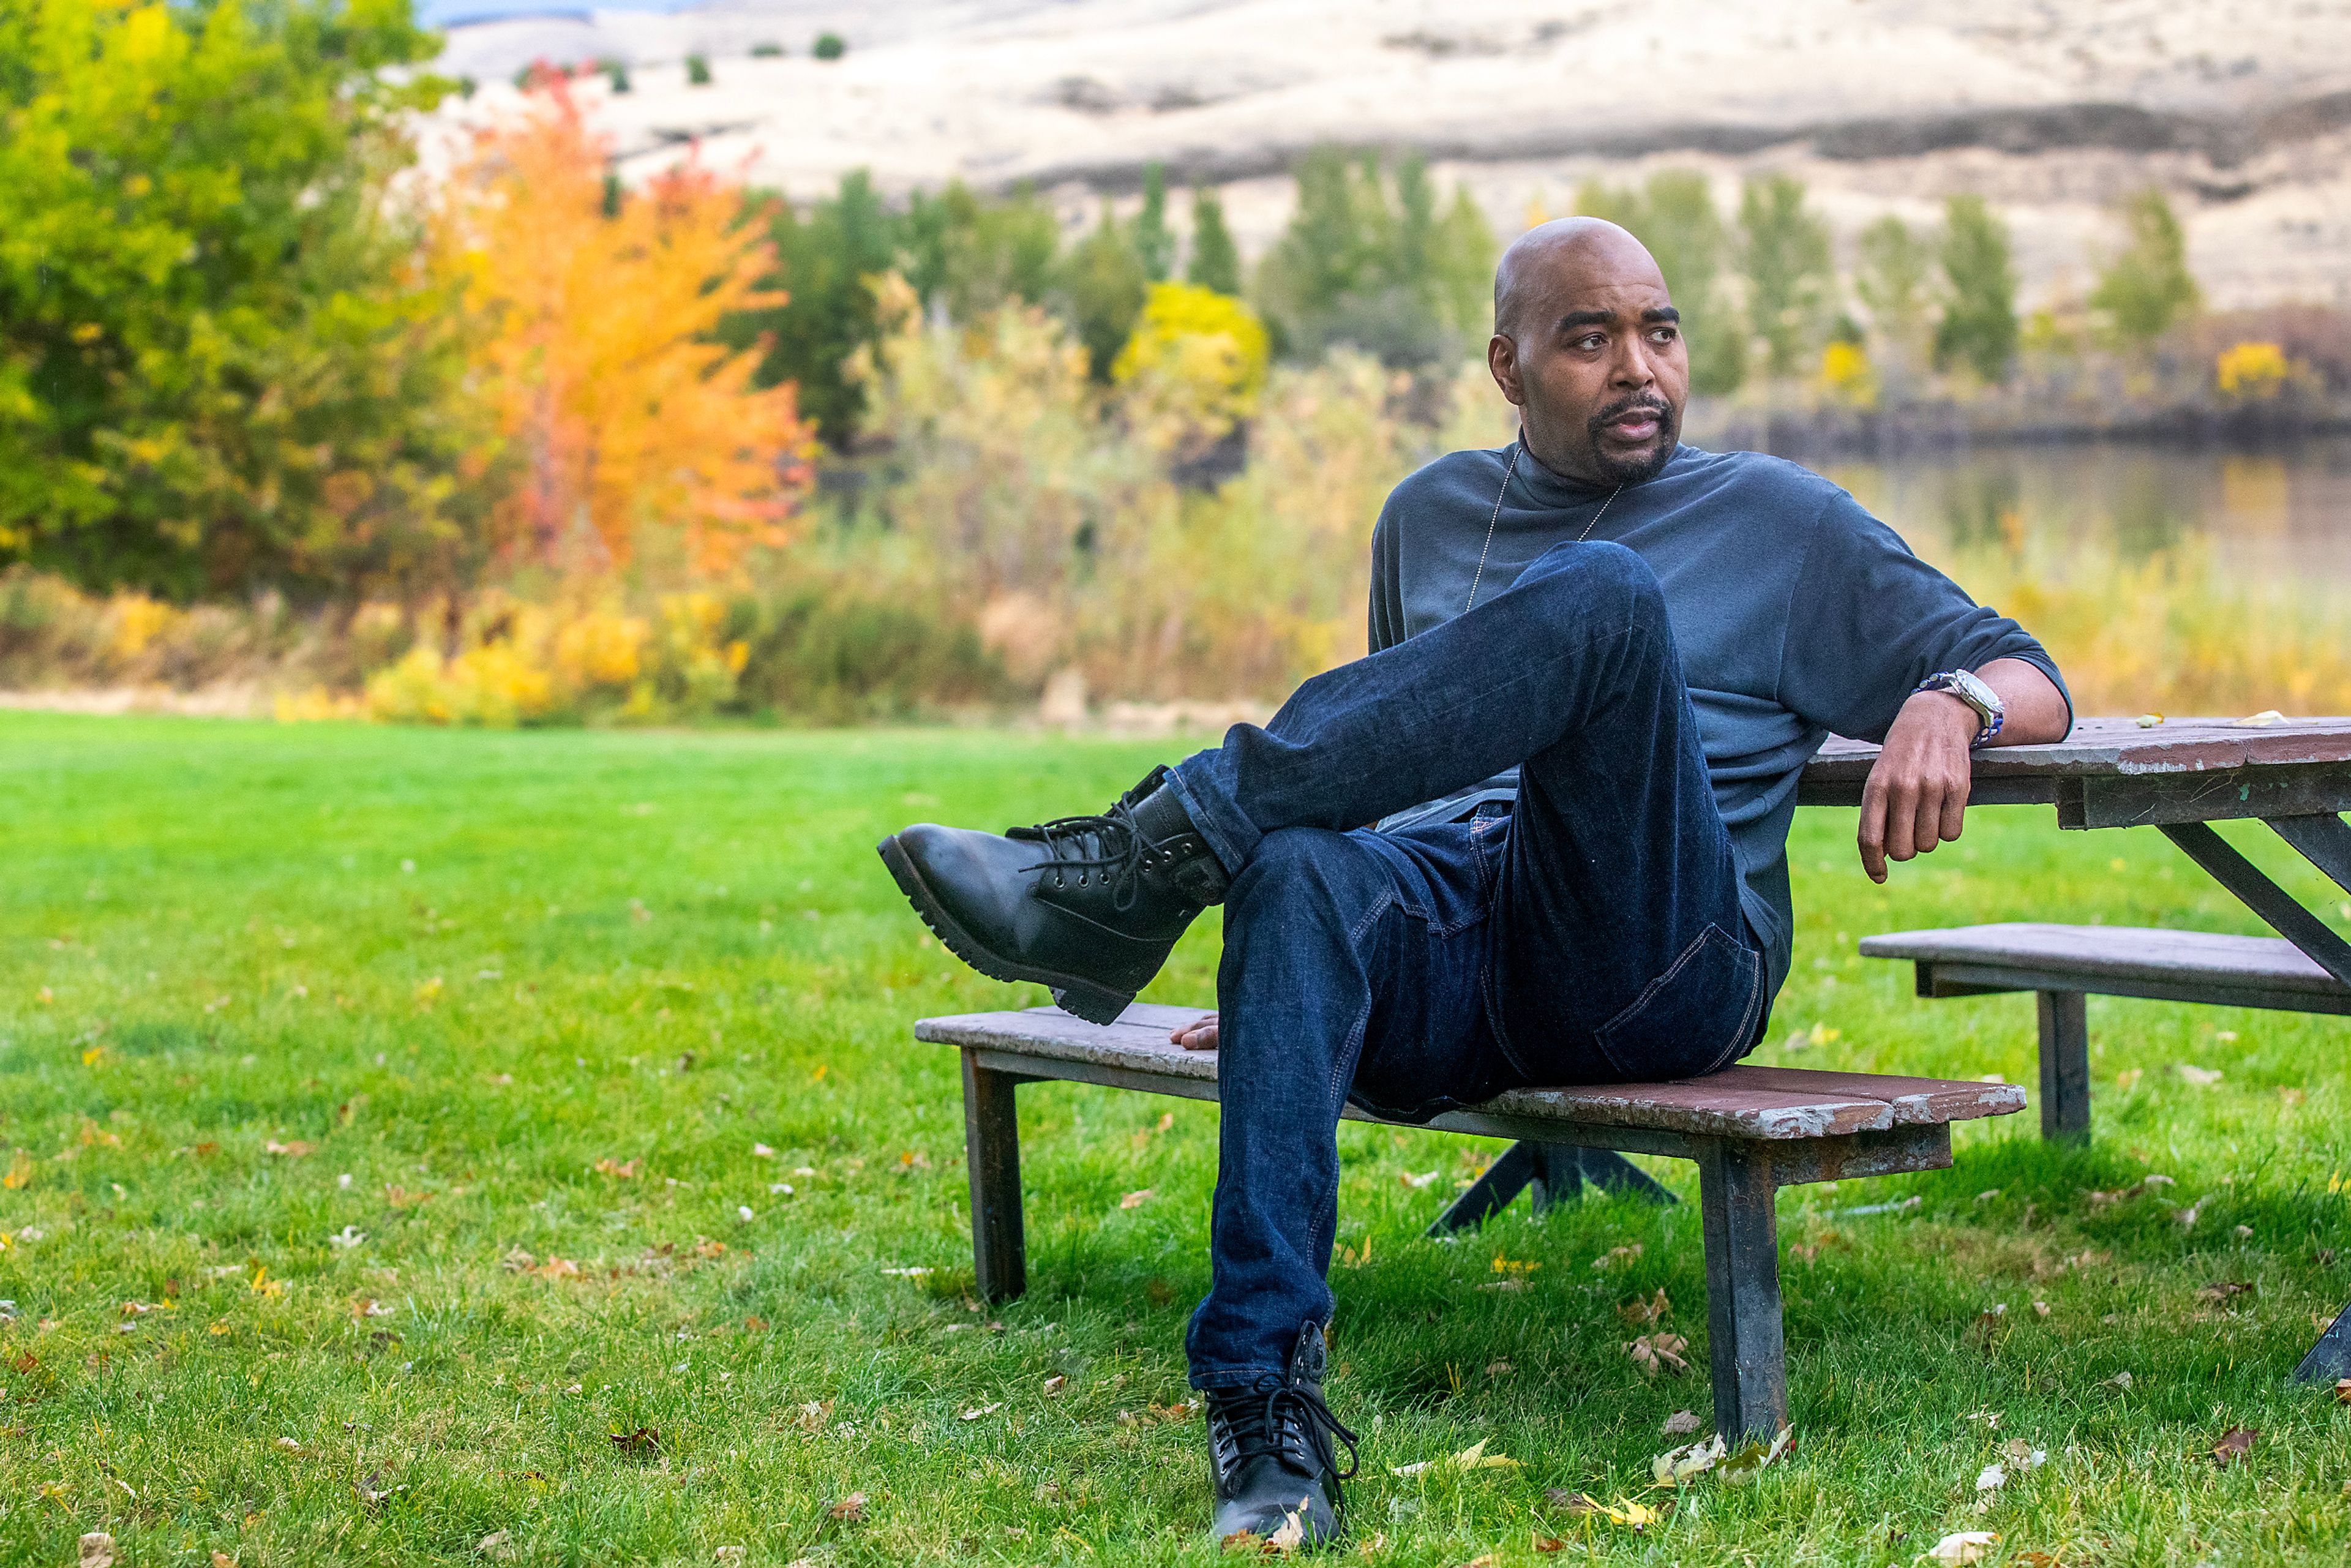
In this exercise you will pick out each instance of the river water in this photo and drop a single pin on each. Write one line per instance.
(2270, 518)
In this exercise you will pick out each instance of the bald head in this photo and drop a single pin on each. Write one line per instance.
(1588, 344)
(1552, 256)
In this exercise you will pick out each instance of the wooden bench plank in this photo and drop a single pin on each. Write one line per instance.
(2117, 952)
(1769, 1103)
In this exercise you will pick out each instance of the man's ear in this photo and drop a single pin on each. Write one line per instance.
(1502, 359)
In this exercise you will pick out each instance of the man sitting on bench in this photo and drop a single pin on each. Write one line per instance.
(1600, 660)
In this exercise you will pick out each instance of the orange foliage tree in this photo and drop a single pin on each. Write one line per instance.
(595, 344)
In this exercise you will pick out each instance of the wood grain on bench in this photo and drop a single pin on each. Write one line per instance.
(2094, 953)
(1770, 1103)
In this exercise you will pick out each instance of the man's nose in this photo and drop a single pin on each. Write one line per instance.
(1632, 370)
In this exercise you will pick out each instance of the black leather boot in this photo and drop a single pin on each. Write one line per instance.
(1088, 906)
(1277, 1475)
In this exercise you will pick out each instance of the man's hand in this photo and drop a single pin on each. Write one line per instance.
(1917, 796)
(1200, 1034)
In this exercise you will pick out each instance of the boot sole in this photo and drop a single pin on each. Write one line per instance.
(1071, 993)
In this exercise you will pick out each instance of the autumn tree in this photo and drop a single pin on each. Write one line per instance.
(221, 369)
(621, 410)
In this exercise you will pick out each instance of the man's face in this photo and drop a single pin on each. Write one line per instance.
(1593, 355)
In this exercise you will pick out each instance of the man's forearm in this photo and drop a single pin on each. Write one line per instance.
(2036, 709)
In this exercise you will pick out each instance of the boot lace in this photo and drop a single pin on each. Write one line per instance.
(1293, 1411)
(1084, 844)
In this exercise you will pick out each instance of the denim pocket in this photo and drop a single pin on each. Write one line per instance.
(1694, 1018)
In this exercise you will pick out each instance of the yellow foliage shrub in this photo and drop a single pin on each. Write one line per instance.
(1848, 375)
(2251, 371)
(1195, 365)
(529, 664)
(599, 649)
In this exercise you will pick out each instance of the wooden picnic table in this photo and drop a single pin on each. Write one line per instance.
(2179, 777)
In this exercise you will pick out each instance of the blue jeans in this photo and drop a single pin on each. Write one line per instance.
(1590, 934)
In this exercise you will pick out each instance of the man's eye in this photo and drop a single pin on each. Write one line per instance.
(1666, 334)
(1590, 340)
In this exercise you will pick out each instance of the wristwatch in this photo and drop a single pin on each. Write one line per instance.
(1975, 693)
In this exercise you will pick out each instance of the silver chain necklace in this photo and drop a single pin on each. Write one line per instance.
(1509, 469)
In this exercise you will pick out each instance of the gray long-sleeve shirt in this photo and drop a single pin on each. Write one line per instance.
(1796, 614)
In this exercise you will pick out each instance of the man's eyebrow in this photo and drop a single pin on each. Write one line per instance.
(1575, 318)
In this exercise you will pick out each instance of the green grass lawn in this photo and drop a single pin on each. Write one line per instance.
(384, 1114)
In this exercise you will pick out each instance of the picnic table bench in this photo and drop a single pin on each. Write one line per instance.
(1752, 1130)
(2178, 776)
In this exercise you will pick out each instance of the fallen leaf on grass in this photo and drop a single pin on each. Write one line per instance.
(1291, 1534)
(2343, 1391)
(643, 1440)
(1675, 1465)
(2120, 1380)
(1542, 1542)
(290, 1445)
(1652, 1351)
(2034, 1560)
(1634, 1515)
(2200, 1077)
(626, 1172)
(370, 1493)
(1473, 1457)
(850, 1509)
(1754, 1457)
(1616, 1255)
(977, 1411)
(1991, 1477)
(1055, 1384)
(1637, 1312)
(731, 1554)
(97, 1549)
(1415, 1180)
(1962, 1546)
(2234, 1445)
(295, 1150)
(350, 1235)
(2023, 1456)
(1136, 1199)
(1681, 1423)
(2220, 1291)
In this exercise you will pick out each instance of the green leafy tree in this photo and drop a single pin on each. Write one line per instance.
(1894, 280)
(830, 46)
(1784, 252)
(697, 71)
(2145, 288)
(827, 261)
(1154, 242)
(1978, 325)
(1367, 261)
(220, 368)
(1463, 267)
(967, 257)
(1216, 259)
(1106, 286)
